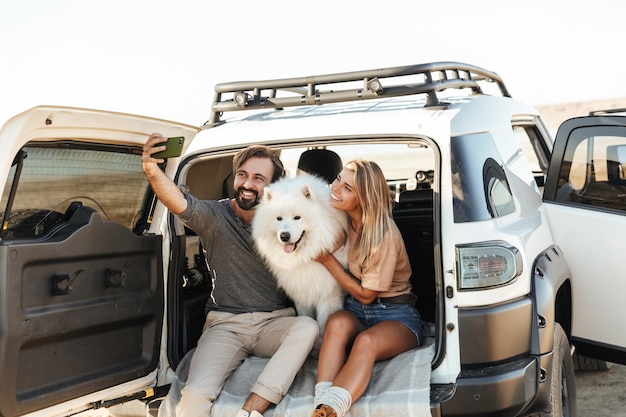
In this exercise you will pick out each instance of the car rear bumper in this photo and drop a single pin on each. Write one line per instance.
(501, 390)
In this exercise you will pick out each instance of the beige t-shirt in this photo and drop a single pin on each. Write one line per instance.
(390, 274)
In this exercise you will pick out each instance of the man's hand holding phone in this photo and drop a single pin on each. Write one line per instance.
(158, 148)
(165, 189)
(173, 148)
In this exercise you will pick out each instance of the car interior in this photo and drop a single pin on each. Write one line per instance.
(410, 182)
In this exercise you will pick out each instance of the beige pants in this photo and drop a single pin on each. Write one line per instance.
(228, 339)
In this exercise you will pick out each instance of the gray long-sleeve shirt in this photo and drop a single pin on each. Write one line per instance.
(241, 281)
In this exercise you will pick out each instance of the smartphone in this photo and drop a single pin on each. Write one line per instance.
(174, 148)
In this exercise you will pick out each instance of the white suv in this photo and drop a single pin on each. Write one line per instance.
(103, 292)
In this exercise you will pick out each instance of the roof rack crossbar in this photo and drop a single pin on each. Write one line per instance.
(607, 111)
(305, 91)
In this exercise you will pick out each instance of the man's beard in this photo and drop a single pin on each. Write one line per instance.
(246, 204)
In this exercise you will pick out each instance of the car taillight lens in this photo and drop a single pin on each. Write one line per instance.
(487, 264)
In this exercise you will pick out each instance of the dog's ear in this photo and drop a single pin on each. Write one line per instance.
(306, 191)
(267, 193)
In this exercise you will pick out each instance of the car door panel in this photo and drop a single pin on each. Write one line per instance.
(81, 277)
(82, 312)
(592, 244)
(585, 198)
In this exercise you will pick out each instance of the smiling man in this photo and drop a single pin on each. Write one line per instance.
(247, 314)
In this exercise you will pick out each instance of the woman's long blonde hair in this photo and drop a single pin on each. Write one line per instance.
(374, 198)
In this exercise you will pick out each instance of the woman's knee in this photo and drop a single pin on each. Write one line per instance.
(341, 322)
(364, 347)
(364, 341)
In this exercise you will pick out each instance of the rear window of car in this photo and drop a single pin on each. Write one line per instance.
(45, 181)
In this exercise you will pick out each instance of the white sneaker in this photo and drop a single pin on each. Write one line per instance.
(244, 413)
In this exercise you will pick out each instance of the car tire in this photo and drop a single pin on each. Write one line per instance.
(583, 363)
(562, 383)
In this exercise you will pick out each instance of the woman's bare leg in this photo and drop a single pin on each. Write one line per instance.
(341, 329)
(380, 342)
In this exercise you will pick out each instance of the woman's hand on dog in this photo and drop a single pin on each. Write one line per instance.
(325, 257)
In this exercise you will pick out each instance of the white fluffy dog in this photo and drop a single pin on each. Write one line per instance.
(293, 224)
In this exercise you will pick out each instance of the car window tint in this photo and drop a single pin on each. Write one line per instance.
(481, 189)
(593, 171)
(52, 178)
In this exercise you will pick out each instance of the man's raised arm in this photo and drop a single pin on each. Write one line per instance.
(164, 188)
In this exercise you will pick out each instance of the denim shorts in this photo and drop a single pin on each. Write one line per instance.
(371, 314)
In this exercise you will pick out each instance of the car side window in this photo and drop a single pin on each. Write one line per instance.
(46, 183)
(533, 147)
(499, 196)
(593, 171)
(481, 189)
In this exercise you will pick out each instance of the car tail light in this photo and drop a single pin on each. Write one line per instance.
(487, 264)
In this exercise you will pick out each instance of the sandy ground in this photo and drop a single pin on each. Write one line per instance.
(602, 393)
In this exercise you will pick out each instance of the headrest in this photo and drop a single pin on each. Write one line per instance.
(321, 162)
(416, 197)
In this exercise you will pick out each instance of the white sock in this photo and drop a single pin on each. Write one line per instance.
(320, 390)
(339, 399)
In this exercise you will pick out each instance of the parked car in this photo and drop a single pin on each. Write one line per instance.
(515, 244)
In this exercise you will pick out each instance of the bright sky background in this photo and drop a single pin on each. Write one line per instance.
(163, 58)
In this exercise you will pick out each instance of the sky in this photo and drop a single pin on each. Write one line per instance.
(163, 58)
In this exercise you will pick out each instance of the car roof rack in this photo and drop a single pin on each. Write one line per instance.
(377, 83)
(608, 111)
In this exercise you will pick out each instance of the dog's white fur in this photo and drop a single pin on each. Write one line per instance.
(292, 225)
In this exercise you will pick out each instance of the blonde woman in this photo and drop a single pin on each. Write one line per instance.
(380, 320)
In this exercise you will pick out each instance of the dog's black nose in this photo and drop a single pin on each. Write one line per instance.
(285, 236)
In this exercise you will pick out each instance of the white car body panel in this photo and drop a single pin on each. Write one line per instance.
(593, 244)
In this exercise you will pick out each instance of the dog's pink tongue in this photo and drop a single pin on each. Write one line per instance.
(289, 247)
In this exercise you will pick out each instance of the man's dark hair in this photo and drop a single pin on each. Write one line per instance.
(259, 151)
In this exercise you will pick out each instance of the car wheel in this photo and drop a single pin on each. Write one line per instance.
(563, 383)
